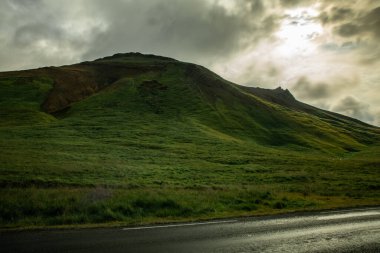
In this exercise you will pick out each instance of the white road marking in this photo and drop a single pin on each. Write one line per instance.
(348, 215)
(181, 225)
(355, 210)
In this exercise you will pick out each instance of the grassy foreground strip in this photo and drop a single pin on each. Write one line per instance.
(32, 207)
(183, 190)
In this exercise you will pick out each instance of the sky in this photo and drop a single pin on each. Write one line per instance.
(326, 52)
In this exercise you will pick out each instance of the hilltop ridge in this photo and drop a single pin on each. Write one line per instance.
(272, 117)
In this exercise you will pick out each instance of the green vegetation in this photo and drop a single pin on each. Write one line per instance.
(171, 144)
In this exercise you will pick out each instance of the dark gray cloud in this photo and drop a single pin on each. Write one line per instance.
(43, 33)
(206, 30)
(190, 30)
(257, 7)
(295, 3)
(348, 30)
(348, 22)
(358, 27)
(328, 96)
(336, 14)
(25, 5)
(305, 89)
(28, 34)
(371, 22)
(352, 107)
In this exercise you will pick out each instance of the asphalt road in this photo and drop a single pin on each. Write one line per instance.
(355, 230)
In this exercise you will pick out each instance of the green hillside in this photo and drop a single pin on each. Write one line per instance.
(135, 138)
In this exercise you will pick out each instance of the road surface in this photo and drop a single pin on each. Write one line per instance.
(355, 230)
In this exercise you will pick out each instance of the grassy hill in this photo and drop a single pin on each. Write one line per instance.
(137, 138)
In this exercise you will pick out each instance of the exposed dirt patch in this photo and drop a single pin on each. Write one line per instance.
(76, 82)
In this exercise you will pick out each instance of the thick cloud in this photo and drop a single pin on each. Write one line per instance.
(361, 26)
(366, 24)
(336, 14)
(304, 89)
(198, 30)
(195, 30)
(370, 23)
(323, 92)
(164, 28)
(348, 30)
(43, 33)
(322, 51)
(353, 107)
(295, 3)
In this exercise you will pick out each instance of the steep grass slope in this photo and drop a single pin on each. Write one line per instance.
(142, 138)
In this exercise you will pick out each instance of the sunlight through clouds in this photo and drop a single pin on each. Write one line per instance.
(298, 31)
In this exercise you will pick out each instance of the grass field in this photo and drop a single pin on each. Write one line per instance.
(162, 147)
